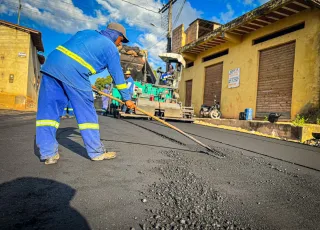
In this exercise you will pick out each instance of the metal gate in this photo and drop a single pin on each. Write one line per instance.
(188, 93)
(213, 84)
(275, 80)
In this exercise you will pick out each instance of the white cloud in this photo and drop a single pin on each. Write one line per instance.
(133, 15)
(188, 14)
(64, 17)
(60, 15)
(263, 1)
(225, 17)
(3, 9)
(248, 2)
(253, 3)
(153, 38)
(155, 45)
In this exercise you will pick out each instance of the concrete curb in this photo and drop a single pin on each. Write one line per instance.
(279, 130)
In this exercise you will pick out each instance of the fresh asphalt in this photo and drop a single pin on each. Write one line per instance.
(257, 180)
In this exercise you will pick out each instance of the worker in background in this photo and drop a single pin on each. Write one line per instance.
(65, 78)
(169, 74)
(68, 111)
(130, 87)
(170, 70)
(105, 100)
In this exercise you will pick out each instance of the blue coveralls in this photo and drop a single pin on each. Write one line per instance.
(68, 109)
(66, 78)
(130, 87)
(164, 77)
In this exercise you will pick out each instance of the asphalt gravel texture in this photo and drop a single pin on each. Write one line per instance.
(160, 180)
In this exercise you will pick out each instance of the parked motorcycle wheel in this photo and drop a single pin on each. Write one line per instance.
(215, 114)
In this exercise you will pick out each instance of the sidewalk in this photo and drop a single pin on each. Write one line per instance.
(14, 114)
(280, 130)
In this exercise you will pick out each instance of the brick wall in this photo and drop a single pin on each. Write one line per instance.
(191, 33)
(178, 37)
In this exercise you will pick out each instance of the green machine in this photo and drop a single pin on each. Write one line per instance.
(152, 95)
(147, 90)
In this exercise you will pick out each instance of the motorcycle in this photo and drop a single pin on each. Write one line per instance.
(212, 111)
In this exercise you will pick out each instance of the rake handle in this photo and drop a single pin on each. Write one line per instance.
(155, 118)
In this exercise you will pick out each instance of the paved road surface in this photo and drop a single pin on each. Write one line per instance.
(296, 153)
(155, 182)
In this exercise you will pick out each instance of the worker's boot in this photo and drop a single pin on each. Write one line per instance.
(52, 160)
(105, 156)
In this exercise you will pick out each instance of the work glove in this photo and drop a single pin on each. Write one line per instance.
(130, 104)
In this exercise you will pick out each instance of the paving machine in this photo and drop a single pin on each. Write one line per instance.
(151, 94)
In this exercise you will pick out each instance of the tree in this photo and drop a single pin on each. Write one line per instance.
(102, 81)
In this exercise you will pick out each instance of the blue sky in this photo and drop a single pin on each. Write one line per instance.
(59, 19)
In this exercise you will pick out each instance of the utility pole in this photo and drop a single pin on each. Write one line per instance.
(168, 7)
(145, 67)
(169, 38)
(19, 11)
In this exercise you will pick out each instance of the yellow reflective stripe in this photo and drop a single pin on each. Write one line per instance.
(51, 123)
(70, 109)
(88, 126)
(121, 86)
(65, 108)
(76, 58)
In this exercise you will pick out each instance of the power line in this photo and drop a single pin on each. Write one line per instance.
(72, 4)
(10, 3)
(121, 0)
(162, 37)
(77, 19)
(148, 4)
(178, 15)
(60, 1)
(140, 6)
(70, 18)
(167, 6)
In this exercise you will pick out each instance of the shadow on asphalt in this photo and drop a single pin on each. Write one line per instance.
(64, 136)
(36, 203)
(36, 150)
(157, 146)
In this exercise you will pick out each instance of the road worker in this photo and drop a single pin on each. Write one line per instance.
(130, 87)
(65, 78)
(68, 111)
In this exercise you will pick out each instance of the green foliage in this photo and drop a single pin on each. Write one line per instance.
(299, 121)
(312, 115)
(265, 118)
(102, 81)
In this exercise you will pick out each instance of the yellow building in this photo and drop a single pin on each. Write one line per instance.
(19, 66)
(267, 60)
